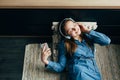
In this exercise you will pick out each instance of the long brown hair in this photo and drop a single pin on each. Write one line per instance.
(71, 46)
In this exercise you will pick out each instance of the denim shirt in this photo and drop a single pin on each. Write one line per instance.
(82, 51)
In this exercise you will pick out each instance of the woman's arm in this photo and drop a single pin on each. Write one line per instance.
(60, 65)
(95, 36)
(98, 37)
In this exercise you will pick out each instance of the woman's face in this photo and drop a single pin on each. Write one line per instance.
(72, 29)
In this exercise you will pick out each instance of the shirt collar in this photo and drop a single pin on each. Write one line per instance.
(77, 41)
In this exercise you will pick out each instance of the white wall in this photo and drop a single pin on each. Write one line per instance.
(108, 4)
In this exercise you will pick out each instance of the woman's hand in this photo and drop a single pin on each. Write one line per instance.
(45, 53)
(83, 28)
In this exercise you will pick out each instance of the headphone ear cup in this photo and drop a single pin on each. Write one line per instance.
(68, 37)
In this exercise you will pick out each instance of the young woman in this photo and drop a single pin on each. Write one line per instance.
(76, 51)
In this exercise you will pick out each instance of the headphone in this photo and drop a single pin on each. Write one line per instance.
(67, 37)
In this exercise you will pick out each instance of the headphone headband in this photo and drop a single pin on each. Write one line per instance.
(68, 37)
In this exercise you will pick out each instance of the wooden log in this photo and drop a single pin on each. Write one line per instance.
(33, 68)
(106, 56)
(108, 61)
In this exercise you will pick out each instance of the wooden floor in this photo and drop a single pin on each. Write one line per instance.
(12, 55)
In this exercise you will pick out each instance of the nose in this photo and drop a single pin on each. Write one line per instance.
(73, 31)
